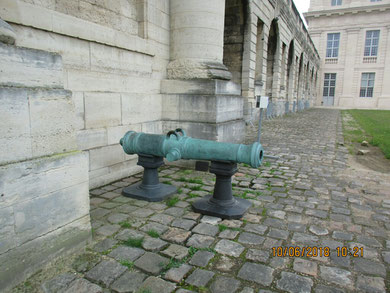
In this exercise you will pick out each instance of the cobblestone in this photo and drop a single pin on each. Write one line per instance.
(308, 197)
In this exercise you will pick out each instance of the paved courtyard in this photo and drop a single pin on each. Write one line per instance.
(308, 198)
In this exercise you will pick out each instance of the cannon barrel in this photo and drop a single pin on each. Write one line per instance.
(176, 145)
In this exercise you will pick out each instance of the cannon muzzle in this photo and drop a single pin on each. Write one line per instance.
(176, 145)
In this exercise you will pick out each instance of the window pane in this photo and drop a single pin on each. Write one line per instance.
(331, 92)
(326, 90)
(370, 91)
(362, 92)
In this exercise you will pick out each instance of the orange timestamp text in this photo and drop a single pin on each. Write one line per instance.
(315, 251)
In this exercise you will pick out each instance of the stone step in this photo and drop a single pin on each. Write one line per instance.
(24, 67)
(39, 122)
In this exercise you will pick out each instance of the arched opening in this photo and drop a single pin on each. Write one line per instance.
(290, 69)
(235, 22)
(271, 56)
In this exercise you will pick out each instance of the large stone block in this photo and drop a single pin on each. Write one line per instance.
(46, 213)
(51, 131)
(105, 156)
(75, 53)
(203, 108)
(232, 131)
(115, 133)
(92, 81)
(18, 183)
(109, 174)
(102, 110)
(135, 106)
(16, 132)
(91, 138)
(7, 232)
(24, 260)
(34, 123)
(107, 58)
(30, 68)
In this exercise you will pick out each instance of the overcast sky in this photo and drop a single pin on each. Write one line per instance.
(302, 6)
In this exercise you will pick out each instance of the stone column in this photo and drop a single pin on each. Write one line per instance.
(347, 97)
(197, 28)
(384, 99)
(198, 96)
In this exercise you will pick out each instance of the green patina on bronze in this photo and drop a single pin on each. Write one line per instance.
(177, 145)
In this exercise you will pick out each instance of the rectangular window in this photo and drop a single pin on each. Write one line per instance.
(376, 0)
(367, 85)
(336, 2)
(372, 43)
(332, 47)
(329, 84)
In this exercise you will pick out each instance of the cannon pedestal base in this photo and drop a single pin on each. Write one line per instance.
(222, 203)
(150, 189)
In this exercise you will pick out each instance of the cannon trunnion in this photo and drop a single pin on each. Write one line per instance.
(176, 145)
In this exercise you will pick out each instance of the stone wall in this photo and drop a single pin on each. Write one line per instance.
(113, 66)
(44, 198)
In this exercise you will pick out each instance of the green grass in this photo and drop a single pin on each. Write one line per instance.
(125, 224)
(222, 227)
(179, 191)
(127, 263)
(195, 188)
(192, 195)
(153, 233)
(264, 212)
(172, 201)
(375, 125)
(134, 242)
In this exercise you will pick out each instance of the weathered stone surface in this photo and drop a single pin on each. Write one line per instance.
(199, 278)
(228, 234)
(177, 274)
(82, 285)
(176, 235)
(151, 263)
(228, 247)
(153, 244)
(58, 283)
(250, 238)
(257, 273)
(122, 253)
(210, 220)
(257, 255)
(108, 230)
(200, 241)
(255, 228)
(160, 229)
(128, 282)
(294, 283)
(305, 266)
(183, 224)
(319, 231)
(157, 285)
(336, 276)
(369, 267)
(225, 285)
(175, 251)
(105, 272)
(224, 264)
(129, 233)
(206, 229)
(162, 219)
(201, 258)
(327, 289)
(370, 284)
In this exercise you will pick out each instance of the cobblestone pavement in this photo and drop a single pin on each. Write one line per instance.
(307, 198)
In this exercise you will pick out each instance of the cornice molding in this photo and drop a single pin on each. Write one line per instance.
(348, 10)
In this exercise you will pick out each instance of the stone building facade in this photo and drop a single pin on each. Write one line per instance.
(353, 40)
(76, 75)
